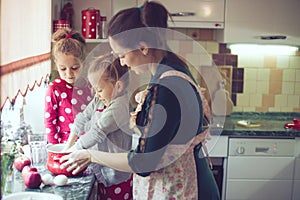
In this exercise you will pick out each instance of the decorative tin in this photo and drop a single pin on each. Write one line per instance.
(60, 24)
(90, 23)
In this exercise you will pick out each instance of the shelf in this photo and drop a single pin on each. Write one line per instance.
(96, 40)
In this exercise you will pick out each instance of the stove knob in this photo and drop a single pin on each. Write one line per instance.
(240, 150)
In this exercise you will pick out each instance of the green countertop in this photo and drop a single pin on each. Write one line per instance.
(271, 125)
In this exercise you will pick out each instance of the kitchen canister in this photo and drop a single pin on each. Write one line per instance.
(60, 24)
(103, 22)
(90, 23)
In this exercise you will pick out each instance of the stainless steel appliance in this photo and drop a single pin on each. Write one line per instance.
(260, 169)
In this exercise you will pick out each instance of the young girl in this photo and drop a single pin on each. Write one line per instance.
(105, 123)
(63, 98)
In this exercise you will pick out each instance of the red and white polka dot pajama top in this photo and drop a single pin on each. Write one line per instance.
(62, 102)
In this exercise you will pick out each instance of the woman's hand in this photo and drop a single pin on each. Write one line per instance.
(76, 161)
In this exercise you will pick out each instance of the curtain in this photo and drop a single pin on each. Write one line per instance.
(25, 46)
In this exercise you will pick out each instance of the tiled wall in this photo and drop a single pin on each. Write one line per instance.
(271, 83)
(260, 82)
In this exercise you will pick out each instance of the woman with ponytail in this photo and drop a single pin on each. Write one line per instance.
(168, 162)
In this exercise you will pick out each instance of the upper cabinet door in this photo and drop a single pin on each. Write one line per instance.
(195, 13)
(261, 21)
(118, 5)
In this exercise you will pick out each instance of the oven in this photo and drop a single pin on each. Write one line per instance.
(260, 169)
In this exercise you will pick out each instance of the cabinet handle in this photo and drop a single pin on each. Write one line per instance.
(182, 14)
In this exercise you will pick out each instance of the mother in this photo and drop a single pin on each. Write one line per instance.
(168, 162)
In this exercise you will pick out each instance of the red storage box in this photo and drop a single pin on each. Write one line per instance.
(60, 23)
(90, 23)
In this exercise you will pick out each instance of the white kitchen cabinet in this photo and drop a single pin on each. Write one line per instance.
(217, 146)
(296, 191)
(118, 5)
(246, 21)
(195, 13)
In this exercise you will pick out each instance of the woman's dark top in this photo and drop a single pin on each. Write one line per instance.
(176, 119)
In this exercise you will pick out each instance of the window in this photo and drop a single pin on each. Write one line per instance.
(25, 46)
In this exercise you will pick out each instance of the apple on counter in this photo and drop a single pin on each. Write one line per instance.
(21, 161)
(31, 177)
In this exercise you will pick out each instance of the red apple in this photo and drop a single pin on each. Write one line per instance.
(31, 177)
(21, 161)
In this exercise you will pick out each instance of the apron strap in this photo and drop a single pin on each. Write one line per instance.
(206, 108)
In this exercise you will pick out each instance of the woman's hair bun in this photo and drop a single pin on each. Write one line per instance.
(154, 14)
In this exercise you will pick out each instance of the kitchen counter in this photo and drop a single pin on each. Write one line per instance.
(77, 188)
(271, 125)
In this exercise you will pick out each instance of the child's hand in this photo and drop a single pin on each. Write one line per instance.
(70, 143)
(68, 149)
(65, 149)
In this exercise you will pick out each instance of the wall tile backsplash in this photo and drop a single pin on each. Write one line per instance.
(260, 83)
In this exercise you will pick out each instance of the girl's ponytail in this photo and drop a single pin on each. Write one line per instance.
(69, 41)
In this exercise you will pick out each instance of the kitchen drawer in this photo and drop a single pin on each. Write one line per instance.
(259, 190)
(260, 168)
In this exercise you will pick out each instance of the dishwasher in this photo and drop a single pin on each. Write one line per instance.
(260, 169)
